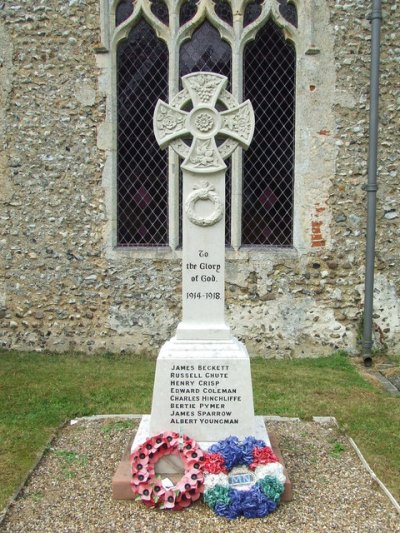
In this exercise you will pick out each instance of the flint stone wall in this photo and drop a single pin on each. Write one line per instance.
(62, 286)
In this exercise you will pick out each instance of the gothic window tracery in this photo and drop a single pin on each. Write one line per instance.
(155, 45)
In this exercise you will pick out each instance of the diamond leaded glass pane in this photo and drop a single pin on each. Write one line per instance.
(142, 184)
(207, 52)
(268, 168)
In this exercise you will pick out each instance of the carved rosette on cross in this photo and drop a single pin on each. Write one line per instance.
(204, 123)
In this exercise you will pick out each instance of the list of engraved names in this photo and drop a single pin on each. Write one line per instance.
(201, 394)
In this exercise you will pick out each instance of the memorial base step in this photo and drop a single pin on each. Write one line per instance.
(121, 482)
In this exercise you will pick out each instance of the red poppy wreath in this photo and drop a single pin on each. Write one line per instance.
(150, 489)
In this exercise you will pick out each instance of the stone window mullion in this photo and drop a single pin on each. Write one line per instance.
(237, 157)
(173, 158)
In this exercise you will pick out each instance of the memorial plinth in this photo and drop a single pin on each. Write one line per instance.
(203, 380)
(203, 389)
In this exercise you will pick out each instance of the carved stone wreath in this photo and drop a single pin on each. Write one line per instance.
(204, 192)
(204, 123)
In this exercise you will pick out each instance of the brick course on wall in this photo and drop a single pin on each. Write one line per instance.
(63, 288)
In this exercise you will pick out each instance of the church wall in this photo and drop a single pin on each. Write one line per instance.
(65, 287)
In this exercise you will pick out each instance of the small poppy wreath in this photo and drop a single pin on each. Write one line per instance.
(253, 468)
(150, 488)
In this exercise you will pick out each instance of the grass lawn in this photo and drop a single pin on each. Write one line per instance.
(39, 391)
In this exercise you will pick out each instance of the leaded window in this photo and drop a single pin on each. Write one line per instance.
(268, 165)
(156, 44)
(142, 169)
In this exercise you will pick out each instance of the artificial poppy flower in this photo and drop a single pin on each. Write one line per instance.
(158, 490)
(145, 490)
(169, 499)
(140, 477)
(184, 501)
(150, 489)
(140, 464)
(171, 438)
(185, 484)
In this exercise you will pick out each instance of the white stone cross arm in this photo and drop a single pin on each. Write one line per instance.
(204, 123)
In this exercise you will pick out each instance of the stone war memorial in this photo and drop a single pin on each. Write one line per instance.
(112, 109)
(203, 382)
(202, 424)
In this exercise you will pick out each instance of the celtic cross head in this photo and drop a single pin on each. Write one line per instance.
(194, 125)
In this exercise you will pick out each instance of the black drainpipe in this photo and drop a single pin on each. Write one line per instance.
(375, 17)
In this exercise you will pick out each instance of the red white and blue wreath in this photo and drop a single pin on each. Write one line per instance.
(242, 478)
(150, 488)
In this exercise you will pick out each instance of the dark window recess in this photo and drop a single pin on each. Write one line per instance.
(224, 11)
(160, 10)
(124, 11)
(252, 12)
(142, 183)
(187, 12)
(207, 52)
(268, 169)
(288, 12)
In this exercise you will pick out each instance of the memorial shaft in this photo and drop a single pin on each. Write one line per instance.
(203, 264)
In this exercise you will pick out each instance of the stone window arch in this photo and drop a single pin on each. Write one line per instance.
(244, 26)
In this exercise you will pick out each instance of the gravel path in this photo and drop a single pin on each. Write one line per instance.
(70, 490)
